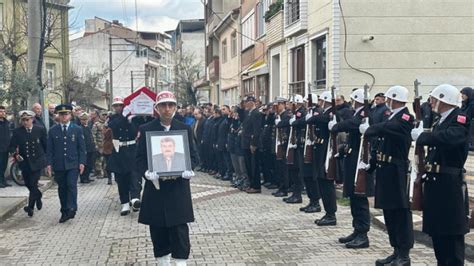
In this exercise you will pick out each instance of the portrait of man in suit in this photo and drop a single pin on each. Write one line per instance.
(168, 159)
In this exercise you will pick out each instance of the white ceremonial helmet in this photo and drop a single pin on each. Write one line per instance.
(447, 94)
(117, 100)
(165, 97)
(298, 98)
(314, 98)
(358, 95)
(397, 93)
(326, 96)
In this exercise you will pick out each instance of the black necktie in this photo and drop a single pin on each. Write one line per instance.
(28, 130)
(64, 129)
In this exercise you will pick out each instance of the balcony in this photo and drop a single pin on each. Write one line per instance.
(274, 27)
(295, 17)
(213, 69)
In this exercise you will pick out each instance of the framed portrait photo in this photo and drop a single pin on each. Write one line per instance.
(168, 152)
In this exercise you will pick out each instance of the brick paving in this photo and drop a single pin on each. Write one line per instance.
(231, 228)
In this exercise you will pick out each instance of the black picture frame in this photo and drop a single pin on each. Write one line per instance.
(156, 158)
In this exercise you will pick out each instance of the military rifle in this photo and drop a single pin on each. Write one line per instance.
(332, 146)
(360, 183)
(417, 197)
(280, 153)
(308, 144)
(290, 150)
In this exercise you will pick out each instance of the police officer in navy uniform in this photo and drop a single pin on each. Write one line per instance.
(167, 205)
(359, 203)
(28, 144)
(66, 156)
(320, 150)
(282, 124)
(445, 197)
(392, 177)
(124, 135)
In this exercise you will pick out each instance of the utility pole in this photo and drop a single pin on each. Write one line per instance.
(34, 40)
(111, 75)
(131, 81)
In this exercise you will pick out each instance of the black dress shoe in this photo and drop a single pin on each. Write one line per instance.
(64, 218)
(302, 209)
(348, 238)
(85, 181)
(401, 261)
(136, 205)
(39, 204)
(294, 199)
(109, 182)
(28, 210)
(327, 220)
(272, 186)
(266, 184)
(360, 241)
(280, 194)
(72, 214)
(313, 208)
(387, 260)
(90, 180)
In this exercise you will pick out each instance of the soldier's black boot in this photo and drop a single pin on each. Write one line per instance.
(348, 238)
(313, 207)
(303, 209)
(295, 198)
(30, 208)
(39, 204)
(280, 193)
(327, 220)
(387, 260)
(403, 258)
(360, 241)
(64, 217)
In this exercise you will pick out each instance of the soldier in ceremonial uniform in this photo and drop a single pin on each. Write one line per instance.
(28, 144)
(392, 177)
(66, 156)
(445, 197)
(326, 186)
(268, 148)
(282, 124)
(359, 203)
(167, 205)
(124, 134)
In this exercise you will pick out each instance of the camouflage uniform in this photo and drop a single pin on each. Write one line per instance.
(97, 133)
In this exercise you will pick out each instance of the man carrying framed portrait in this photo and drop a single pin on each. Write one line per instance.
(166, 157)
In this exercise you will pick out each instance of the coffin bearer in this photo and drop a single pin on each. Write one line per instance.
(392, 177)
(445, 197)
(28, 144)
(66, 156)
(124, 133)
(167, 207)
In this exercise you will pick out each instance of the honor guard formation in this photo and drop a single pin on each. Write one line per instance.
(297, 146)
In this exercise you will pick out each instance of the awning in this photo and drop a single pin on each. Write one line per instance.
(256, 69)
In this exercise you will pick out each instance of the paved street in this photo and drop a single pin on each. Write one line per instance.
(231, 227)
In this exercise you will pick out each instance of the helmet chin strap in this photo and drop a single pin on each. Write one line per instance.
(390, 105)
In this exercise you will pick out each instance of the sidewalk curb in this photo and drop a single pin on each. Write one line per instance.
(419, 235)
(22, 202)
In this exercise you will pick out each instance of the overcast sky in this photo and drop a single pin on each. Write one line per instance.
(153, 15)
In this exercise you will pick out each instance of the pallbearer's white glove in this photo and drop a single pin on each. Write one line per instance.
(309, 114)
(154, 178)
(187, 174)
(277, 120)
(332, 123)
(364, 126)
(363, 166)
(416, 132)
(293, 119)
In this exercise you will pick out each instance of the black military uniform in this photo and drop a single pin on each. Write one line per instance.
(119, 161)
(320, 150)
(251, 129)
(169, 209)
(392, 178)
(31, 146)
(4, 142)
(298, 173)
(268, 151)
(283, 132)
(445, 197)
(359, 203)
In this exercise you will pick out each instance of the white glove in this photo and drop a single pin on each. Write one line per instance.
(364, 126)
(151, 175)
(309, 115)
(187, 174)
(332, 123)
(293, 119)
(292, 146)
(363, 165)
(130, 117)
(277, 120)
(416, 132)
(127, 110)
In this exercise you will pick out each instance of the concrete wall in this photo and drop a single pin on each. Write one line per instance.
(193, 43)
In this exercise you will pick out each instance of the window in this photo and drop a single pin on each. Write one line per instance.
(292, 11)
(224, 51)
(248, 87)
(262, 88)
(262, 8)
(297, 71)
(233, 44)
(50, 75)
(248, 30)
(141, 51)
(319, 60)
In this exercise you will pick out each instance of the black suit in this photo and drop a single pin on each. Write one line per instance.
(4, 142)
(178, 163)
(392, 177)
(445, 204)
(169, 209)
(251, 128)
(32, 147)
(283, 128)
